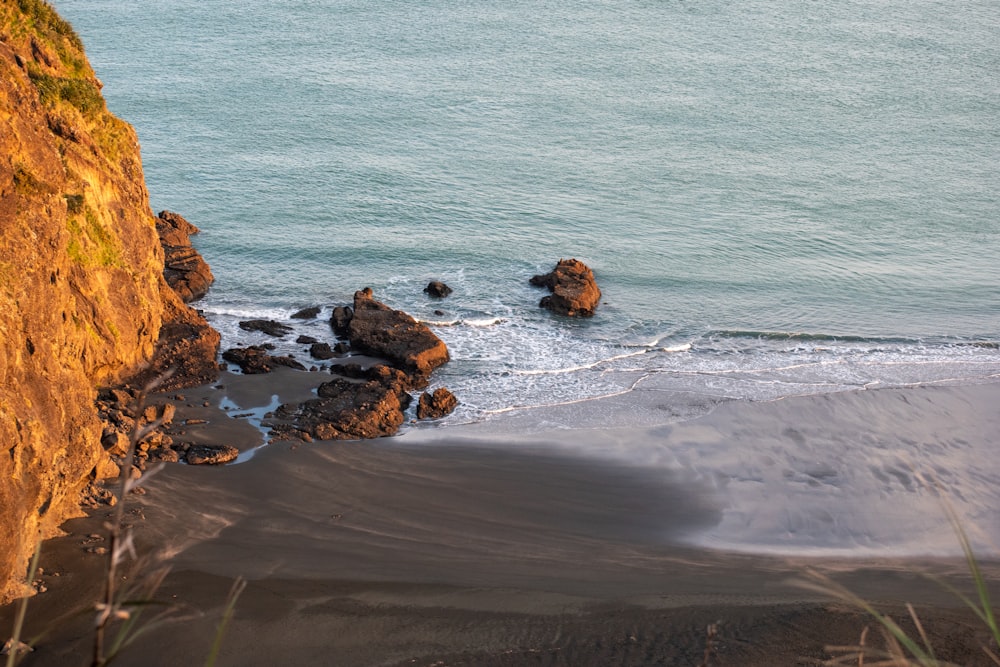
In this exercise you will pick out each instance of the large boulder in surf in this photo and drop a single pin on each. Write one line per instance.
(184, 269)
(574, 290)
(393, 335)
(347, 409)
(437, 289)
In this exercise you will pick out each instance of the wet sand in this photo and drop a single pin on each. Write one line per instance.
(487, 546)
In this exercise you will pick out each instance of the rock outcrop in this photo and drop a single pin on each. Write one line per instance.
(83, 297)
(574, 290)
(377, 329)
(183, 267)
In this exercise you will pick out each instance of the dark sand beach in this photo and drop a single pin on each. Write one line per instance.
(479, 546)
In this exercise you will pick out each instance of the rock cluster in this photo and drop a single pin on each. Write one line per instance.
(369, 405)
(574, 290)
(306, 313)
(123, 416)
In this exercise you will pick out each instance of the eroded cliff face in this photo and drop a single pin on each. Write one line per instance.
(82, 295)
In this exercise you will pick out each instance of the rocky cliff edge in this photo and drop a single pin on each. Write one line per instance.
(82, 293)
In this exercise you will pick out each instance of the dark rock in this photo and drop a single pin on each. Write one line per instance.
(270, 327)
(437, 289)
(185, 270)
(307, 313)
(187, 351)
(436, 405)
(347, 409)
(381, 373)
(210, 454)
(340, 319)
(165, 454)
(391, 334)
(574, 290)
(254, 359)
(342, 348)
(116, 443)
(306, 340)
(321, 351)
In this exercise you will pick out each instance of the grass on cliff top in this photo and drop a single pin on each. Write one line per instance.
(26, 18)
(57, 65)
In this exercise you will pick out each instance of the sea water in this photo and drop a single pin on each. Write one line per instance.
(777, 198)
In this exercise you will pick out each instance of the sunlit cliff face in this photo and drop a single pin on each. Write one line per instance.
(81, 289)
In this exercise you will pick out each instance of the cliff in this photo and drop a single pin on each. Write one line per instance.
(82, 293)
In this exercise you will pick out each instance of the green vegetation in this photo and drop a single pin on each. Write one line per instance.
(90, 244)
(74, 203)
(112, 329)
(27, 184)
(48, 22)
(37, 18)
(114, 137)
(80, 93)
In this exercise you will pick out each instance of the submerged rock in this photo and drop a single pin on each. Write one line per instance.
(270, 327)
(306, 313)
(574, 290)
(437, 405)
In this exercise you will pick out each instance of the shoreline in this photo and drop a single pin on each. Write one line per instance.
(473, 545)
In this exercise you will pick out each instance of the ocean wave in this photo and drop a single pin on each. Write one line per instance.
(803, 337)
(468, 322)
(249, 313)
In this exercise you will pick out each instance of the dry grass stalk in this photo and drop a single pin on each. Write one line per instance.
(14, 648)
(902, 650)
(125, 605)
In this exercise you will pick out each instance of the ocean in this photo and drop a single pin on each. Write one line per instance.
(777, 198)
